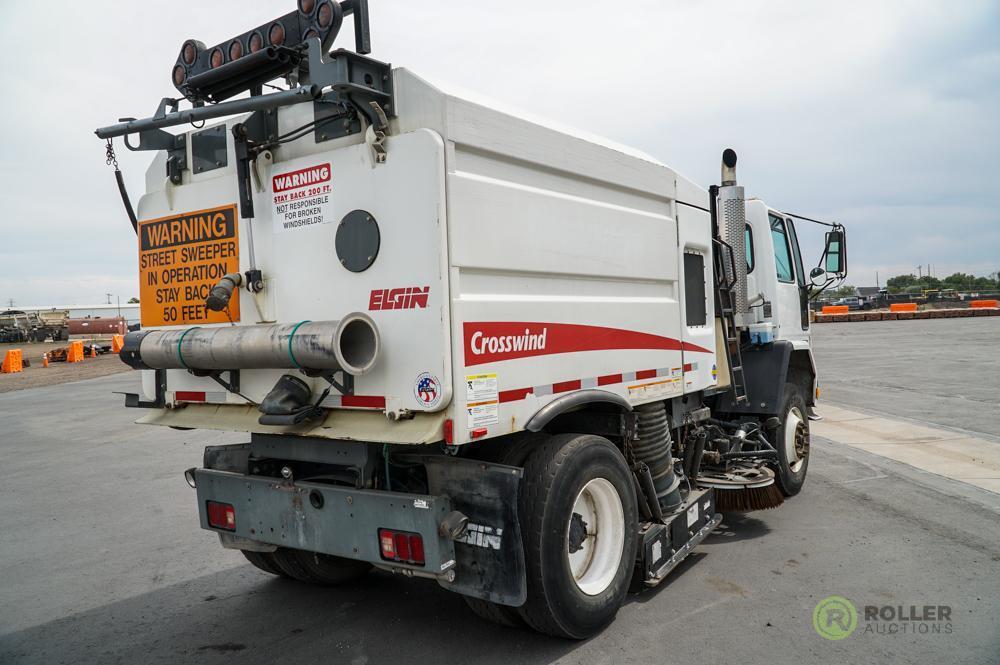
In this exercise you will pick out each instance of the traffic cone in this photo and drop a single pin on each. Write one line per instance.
(93, 351)
(45, 360)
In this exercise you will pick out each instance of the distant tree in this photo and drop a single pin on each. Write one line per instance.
(845, 291)
(901, 283)
(133, 301)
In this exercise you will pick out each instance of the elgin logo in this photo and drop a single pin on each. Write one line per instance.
(410, 297)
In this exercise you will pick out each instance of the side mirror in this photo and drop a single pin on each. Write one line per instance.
(835, 254)
(817, 276)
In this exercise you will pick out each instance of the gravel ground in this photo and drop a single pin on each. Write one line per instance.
(37, 376)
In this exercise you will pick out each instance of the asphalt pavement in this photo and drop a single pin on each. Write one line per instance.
(102, 561)
(941, 371)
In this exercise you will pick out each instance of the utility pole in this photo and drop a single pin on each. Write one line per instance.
(109, 298)
(920, 272)
(10, 303)
(877, 285)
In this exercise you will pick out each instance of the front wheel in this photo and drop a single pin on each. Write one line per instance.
(792, 442)
(579, 525)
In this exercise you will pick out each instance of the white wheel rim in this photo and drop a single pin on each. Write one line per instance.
(595, 564)
(793, 421)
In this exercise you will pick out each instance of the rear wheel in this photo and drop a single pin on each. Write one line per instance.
(264, 561)
(316, 568)
(579, 524)
(792, 442)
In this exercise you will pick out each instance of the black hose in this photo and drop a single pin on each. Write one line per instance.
(126, 201)
(653, 447)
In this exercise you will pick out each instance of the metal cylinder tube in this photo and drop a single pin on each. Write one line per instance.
(351, 344)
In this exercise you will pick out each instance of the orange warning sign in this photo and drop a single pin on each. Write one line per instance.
(180, 259)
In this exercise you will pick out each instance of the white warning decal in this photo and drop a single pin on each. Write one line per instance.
(302, 197)
(482, 399)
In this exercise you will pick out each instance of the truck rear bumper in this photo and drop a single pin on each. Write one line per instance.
(335, 520)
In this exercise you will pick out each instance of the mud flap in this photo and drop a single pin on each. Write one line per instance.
(489, 557)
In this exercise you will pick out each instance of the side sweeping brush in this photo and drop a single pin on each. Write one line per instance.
(743, 490)
(747, 499)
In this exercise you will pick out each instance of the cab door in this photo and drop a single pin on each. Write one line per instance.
(791, 318)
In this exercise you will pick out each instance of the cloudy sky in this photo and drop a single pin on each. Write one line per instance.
(882, 115)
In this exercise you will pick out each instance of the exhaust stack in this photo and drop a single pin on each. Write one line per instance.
(732, 229)
(351, 344)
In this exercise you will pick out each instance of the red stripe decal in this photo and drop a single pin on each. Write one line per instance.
(494, 341)
(645, 374)
(363, 401)
(514, 395)
(566, 386)
(189, 396)
(694, 348)
(610, 379)
(687, 367)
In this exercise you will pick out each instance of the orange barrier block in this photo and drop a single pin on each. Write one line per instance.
(984, 304)
(13, 362)
(74, 353)
(836, 309)
(903, 307)
(117, 342)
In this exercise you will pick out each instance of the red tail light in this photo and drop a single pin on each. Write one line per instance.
(221, 516)
(401, 546)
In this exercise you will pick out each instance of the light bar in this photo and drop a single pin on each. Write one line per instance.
(259, 55)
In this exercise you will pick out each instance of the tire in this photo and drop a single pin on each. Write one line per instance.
(565, 478)
(495, 612)
(321, 569)
(792, 442)
(264, 561)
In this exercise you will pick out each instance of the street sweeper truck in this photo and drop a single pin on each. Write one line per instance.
(464, 344)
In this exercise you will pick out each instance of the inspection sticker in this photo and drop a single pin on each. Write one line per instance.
(181, 258)
(482, 398)
(302, 197)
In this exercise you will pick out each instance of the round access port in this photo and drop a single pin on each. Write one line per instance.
(358, 240)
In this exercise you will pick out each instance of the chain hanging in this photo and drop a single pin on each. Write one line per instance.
(111, 160)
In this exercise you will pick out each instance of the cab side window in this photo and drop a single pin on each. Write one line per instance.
(782, 251)
(749, 244)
